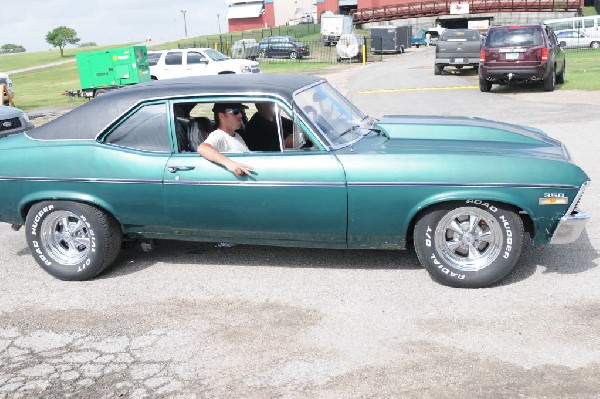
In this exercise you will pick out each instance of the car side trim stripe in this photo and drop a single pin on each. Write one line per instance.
(454, 184)
(81, 180)
(257, 183)
(290, 184)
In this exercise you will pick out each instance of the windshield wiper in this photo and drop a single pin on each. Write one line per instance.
(368, 129)
(353, 128)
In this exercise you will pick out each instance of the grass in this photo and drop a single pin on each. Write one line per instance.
(43, 88)
(589, 10)
(583, 70)
(9, 62)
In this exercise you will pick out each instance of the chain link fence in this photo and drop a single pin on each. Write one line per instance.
(249, 46)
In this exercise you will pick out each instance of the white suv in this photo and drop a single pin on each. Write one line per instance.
(4, 79)
(177, 63)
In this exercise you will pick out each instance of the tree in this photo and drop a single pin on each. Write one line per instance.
(61, 36)
(12, 48)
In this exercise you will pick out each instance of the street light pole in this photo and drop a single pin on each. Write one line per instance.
(184, 22)
(219, 22)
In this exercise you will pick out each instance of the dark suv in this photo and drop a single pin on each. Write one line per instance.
(524, 53)
(282, 46)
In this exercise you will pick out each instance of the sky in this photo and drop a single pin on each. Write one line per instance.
(26, 22)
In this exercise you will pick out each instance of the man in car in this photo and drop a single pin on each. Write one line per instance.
(228, 119)
(262, 133)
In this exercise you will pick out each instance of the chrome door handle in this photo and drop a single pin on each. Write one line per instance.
(173, 169)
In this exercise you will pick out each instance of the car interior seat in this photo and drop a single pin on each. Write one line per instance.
(198, 129)
(181, 134)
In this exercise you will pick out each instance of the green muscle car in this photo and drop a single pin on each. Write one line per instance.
(462, 191)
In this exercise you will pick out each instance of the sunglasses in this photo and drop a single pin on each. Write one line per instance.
(234, 111)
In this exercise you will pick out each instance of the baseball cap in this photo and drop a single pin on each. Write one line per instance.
(221, 107)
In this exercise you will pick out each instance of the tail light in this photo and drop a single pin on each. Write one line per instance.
(545, 54)
(482, 56)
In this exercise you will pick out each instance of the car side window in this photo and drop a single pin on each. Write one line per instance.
(552, 37)
(195, 58)
(146, 129)
(173, 58)
(153, 58)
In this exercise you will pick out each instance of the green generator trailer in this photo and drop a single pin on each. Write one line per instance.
(100, 71)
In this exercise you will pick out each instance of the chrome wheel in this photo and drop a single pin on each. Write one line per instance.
(468, 239)
(65, 238)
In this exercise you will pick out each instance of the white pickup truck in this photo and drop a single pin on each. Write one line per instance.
(178, 63)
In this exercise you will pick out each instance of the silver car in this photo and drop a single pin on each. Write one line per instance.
(13, 120)
(571, 38)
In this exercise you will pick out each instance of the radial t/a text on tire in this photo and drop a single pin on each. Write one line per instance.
(72, 240)
(469, 244)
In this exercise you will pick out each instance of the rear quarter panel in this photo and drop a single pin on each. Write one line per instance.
(113, 178)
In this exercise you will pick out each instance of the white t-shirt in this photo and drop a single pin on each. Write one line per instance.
(223, 142)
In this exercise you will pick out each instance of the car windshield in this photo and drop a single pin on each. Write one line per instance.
(335, 117)
(459, 35)
(215, 55)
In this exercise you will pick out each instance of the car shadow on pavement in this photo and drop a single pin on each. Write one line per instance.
(460, 72)
(572, 258)
(132, 259)
(519, 88)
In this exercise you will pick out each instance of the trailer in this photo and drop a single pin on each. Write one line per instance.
(103, 70)
(390, 39)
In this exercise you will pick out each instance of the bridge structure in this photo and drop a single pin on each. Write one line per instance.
(435, 8)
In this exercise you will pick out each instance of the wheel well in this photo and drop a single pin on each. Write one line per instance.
(28, 206)
(527, 222)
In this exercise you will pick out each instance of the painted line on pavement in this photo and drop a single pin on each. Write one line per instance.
(417, 89)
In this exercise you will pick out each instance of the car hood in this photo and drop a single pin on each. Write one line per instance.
(465, 134)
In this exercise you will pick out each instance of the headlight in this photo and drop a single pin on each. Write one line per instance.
(246, 69)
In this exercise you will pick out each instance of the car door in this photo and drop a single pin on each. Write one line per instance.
(196, 64)
(277, 47)
(297, 197)
(559, 53)
(172, 65)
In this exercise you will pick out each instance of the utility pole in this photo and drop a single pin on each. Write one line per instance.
(184, 22)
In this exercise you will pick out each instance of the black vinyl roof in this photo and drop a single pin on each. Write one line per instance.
(88, 120)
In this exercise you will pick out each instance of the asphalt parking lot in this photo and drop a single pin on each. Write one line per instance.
(203, 320)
